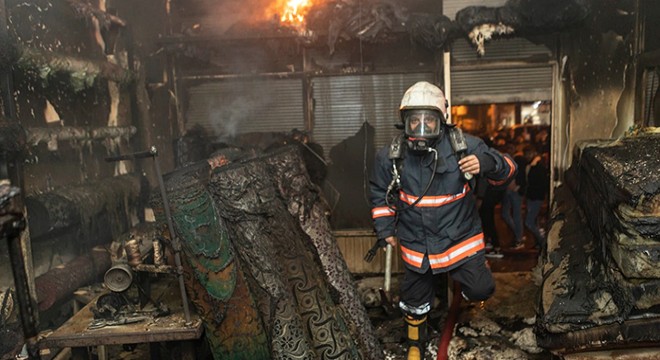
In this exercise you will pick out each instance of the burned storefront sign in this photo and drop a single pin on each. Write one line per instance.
(601, 285)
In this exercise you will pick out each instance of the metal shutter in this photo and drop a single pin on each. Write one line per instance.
(451, 7)
(483, 86)
(502, 85)
(650, 89)
(498, 49)
(343, 103)
(237, 106)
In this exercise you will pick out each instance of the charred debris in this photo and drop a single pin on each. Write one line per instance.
(387, 21)
(248, 199)
(601, 285)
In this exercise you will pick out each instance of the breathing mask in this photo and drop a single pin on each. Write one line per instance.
(422, 128)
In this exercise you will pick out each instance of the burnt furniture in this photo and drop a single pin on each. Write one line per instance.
(75, 333)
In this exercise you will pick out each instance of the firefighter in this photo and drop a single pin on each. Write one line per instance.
(422, 199)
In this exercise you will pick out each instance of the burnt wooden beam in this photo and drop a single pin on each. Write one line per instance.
(48, 62)
(91, 208)
(216, 40)
(37, 135)
(60, 282)
(256, 36)
(630, 333)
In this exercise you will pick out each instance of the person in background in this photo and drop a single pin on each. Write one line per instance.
(489, 196)
(422, 201)
(512, 202)
(537, 188)
(542, 141)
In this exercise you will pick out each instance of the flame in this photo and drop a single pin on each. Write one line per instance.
(294, 11)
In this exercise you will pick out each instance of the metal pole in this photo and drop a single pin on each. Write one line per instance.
(388, 269)
(12, 225)
(446, 74)
(175, 240)
(6, 78)
(153, 152)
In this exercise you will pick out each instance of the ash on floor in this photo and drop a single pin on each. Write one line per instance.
(500, 328)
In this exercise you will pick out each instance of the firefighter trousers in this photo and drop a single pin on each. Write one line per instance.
(418, 290)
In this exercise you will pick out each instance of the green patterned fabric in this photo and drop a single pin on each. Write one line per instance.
(215, 283)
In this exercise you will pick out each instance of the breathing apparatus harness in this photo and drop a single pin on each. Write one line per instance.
(397, 152)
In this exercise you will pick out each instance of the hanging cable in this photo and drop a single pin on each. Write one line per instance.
(360, 37)
(365, 170)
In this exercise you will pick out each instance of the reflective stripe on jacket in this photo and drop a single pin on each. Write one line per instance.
(456, 253)
(443, 228)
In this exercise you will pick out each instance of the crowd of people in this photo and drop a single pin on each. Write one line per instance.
(522, 201)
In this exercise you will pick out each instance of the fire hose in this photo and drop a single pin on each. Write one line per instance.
(448, 330)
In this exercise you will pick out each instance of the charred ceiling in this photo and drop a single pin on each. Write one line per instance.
(339, 21)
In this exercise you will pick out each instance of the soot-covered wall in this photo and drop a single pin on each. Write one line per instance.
(598, 71)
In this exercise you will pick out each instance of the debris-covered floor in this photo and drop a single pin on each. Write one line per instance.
(500, 328)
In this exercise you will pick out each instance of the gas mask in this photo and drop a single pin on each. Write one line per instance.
(422, 128)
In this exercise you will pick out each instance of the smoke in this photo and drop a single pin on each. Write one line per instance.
(227, 120)
(239, 108)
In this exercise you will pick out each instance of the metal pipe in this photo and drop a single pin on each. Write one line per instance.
(133, 156)
(281, 74)
(175, 240)
(388, 269)
(317, 155)
(446, 75)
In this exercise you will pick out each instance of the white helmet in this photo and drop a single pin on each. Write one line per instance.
(423, 110)
(424, 95)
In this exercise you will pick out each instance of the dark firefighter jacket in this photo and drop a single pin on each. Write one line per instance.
(444, 228)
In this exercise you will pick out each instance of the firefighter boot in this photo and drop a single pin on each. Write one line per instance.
(416, 333)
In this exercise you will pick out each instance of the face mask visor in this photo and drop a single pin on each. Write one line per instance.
(423, 124)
